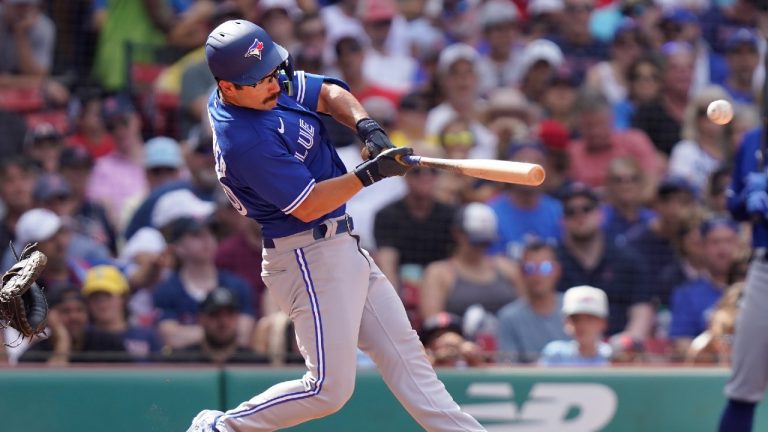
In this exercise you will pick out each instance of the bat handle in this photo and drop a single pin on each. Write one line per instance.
(411, 160)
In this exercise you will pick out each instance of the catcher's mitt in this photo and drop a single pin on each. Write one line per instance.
(22, 302)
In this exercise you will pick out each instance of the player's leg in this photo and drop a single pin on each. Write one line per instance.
(749, 377)
(322, 288)
(386, 335)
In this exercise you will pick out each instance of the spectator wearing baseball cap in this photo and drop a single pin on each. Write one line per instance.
(162, 161)
(539, 61)
(457, 75)
(469, 276)
(54, 238)
(742, 55)
(580, 47)
(586, 310)
(497, 68)
(388, 48)
(43, 145)
(554, 137)
(106, 292)
(184, 222)
(219, 320)
(90, 218)
(71, 339)
(543, 17)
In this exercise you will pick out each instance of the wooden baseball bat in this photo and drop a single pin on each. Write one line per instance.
(489, 169)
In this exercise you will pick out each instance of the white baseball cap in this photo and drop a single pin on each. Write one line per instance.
(541, 49)
(37, 225)
(479, 223)
(177, 204)
(453, 53)
(496, 12)
(538, 7)
(585, 299)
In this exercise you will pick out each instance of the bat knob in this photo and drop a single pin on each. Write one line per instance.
(410, 159)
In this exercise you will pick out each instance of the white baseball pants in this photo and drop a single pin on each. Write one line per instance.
(338, 300)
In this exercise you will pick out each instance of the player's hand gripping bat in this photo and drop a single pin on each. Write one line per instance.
(489, 169)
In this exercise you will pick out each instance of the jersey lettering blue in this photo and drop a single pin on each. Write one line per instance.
(268, 162)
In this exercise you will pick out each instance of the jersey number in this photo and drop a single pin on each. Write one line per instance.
(221, 172)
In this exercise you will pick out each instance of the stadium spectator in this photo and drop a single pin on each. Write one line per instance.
(498, 67)
(470, 276)
(610, 76)
(28, 44)
(624, 210)
(643, 86)
(14, 131)
(543, 18)
(662, 118)
(587, 257)
(146, 261)
(220, 322)
(715, 199)
(721, 21)
(277, 17)
(692, 302)
(554, 137)
(559, 99)
(586, 311)
(575, 39)
(67, 258)
(388, 48)
(705, 145)
(350, 56)
(203, 183)
(539, 61)
(526, 325)
(106, 292)
(409, 128)
(674, 205)
(525, 213)
(414, 229)
(71, 339)
(178, 297)
(743, 58)
(90, 128)
(17, 182)
(600, 143)
(240, 253)
(44, 145)
(457, 75)
(445, 344)
(510, 116)
(313, 38)
(118, 176)
(89, 217)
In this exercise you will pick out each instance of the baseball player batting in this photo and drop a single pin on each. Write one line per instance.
(748, 200)
(277, 166)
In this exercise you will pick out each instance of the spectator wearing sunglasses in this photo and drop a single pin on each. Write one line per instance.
(624, 209)
(588, 258)
(532, 321)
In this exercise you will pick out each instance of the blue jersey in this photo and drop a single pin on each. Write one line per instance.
(269, 161)
(745, 163)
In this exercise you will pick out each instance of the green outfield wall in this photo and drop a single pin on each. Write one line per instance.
(515, 400)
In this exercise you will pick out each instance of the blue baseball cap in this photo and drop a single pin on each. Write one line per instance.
(241, 52)
(742, 36)
(162, 152)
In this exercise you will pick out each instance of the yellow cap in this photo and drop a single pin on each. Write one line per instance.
(105, 278)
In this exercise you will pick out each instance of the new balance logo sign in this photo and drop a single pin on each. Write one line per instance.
(550, 407)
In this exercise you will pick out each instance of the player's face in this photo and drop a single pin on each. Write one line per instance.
(261, 95)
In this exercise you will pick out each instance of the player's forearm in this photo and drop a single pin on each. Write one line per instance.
(327, 196)
(341, 105)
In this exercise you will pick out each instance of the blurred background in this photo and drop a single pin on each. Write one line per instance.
(625, 257)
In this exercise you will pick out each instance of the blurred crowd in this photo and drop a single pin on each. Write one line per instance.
(626, 254)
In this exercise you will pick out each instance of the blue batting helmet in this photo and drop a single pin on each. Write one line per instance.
(241, 52)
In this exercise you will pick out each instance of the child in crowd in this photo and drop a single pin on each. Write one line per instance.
(586, 311)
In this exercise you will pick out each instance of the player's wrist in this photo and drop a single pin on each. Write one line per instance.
(368, 173)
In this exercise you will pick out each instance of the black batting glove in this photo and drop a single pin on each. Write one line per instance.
(387, 164)
(373, 136)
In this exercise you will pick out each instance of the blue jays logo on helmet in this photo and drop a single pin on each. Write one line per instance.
(255, 49)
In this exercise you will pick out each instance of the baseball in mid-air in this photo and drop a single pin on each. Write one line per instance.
(720, 111)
